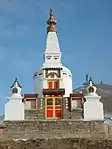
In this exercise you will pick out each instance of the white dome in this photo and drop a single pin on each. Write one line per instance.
(65, 80)
(66, 69)
(38, 72)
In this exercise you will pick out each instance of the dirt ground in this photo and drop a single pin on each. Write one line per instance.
(56, 144)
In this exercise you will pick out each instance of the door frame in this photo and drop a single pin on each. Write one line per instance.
(53, 107)
(53, 81)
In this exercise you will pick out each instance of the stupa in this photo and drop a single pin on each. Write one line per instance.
(53, 96)
(14, 108)
(93, 107)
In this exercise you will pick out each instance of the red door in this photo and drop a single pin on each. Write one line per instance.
(58, 107)
(49, 108)
(53, 108)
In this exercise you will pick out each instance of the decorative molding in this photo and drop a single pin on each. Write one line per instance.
(53, 91)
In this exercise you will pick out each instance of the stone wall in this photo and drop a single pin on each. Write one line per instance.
(41, 108)
(65, 109)
(52, 128)
(39, 113)
(108, 130)
(36, 114)
(77, 113)
(31, 114)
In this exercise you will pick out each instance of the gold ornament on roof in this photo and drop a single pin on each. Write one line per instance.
(14, 90)
(91, 89)
(51, 22)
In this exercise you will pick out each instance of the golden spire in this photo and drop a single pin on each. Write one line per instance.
(51, 22)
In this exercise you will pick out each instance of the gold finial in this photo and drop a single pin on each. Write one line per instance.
(51, 22)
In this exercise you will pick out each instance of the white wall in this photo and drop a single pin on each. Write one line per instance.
(93, 110)
(67, 83)
(52, 43)
(38, 86)
(38, 83)
(14, 110)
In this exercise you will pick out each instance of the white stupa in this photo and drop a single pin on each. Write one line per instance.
(52, 59)
(14, 108)
(93, 108)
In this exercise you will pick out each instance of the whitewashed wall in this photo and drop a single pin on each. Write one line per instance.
(67, 81)
(93, 110)
(14, 110)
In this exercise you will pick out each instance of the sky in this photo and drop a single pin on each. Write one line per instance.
(84, 29)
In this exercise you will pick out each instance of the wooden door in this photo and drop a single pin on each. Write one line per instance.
(53, 108)
(58, 108)
(49, 108)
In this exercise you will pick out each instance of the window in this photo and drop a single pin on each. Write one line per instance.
(30, 104)
(57, 101)
(53, 84)
(77, 103)
(56, 84)
(33, 104)
(50, 85)
(50, 101)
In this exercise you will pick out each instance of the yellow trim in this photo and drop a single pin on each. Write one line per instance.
(53, 97)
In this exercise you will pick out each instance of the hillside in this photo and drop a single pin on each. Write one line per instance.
(105, 91)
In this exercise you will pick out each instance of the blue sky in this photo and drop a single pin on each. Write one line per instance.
(84, 31)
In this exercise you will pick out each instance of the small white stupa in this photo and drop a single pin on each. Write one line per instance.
(93, 108)
(14, 108)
